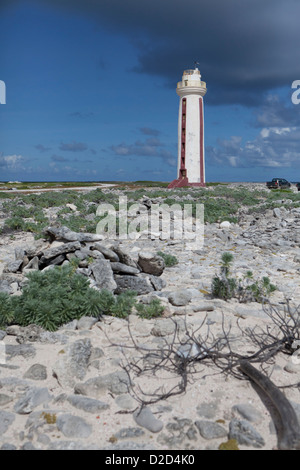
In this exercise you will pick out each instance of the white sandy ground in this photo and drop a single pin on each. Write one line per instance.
(207, 388)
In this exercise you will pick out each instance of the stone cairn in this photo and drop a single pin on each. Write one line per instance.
(107, 267)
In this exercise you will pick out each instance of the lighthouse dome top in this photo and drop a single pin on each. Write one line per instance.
(191, 83)
(193, 74)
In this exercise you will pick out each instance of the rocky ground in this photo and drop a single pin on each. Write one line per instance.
(69, 390)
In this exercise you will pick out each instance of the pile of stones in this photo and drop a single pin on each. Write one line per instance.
(107, 266)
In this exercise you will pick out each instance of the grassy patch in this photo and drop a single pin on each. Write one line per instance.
(170, 260)
(152, 310)
(31, 212)
(55, 297)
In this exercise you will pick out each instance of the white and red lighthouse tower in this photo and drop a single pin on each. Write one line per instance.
(191, 167)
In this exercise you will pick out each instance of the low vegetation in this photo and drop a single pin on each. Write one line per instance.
(152, 310)
(30, 212)
(53, 298)
(246, 289)
(58, 296)
(170, 260)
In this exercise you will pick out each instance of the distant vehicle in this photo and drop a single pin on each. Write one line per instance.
(278, 183)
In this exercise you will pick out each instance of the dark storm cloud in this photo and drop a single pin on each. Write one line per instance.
(149, 131)
(73, 147)
(82, 115)
(58, 158)
(42, 148)
(151, 147)
(245, 48)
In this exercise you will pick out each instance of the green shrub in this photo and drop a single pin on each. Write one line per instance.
(6, 309)
(75, 222)
(223, 287)
(51, 198)
(14, 223)
(123, 304)
(106, 301)
(226, 258)
(6, 195)
(254, 290)
(169, 260)
(216, 210)
(52, 298)
(97, 196)
(17, 210)
(152, 184)
(152, 310)
(245, 290)
(55, 297)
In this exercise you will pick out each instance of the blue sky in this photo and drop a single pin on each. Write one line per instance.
(91, 88)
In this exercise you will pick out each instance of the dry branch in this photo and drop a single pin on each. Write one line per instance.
(182, 352)
(288, 428)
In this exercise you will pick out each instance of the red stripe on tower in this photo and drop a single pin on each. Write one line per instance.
(201, 142)
(182, 171)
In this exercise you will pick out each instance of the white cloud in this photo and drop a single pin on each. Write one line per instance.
(233, 161)
(11, 162)
(265, 133)
(277, 143)
(273, 147)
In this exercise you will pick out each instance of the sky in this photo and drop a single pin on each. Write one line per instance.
(90, 88)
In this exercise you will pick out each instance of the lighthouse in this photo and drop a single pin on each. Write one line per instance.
(191, 165)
